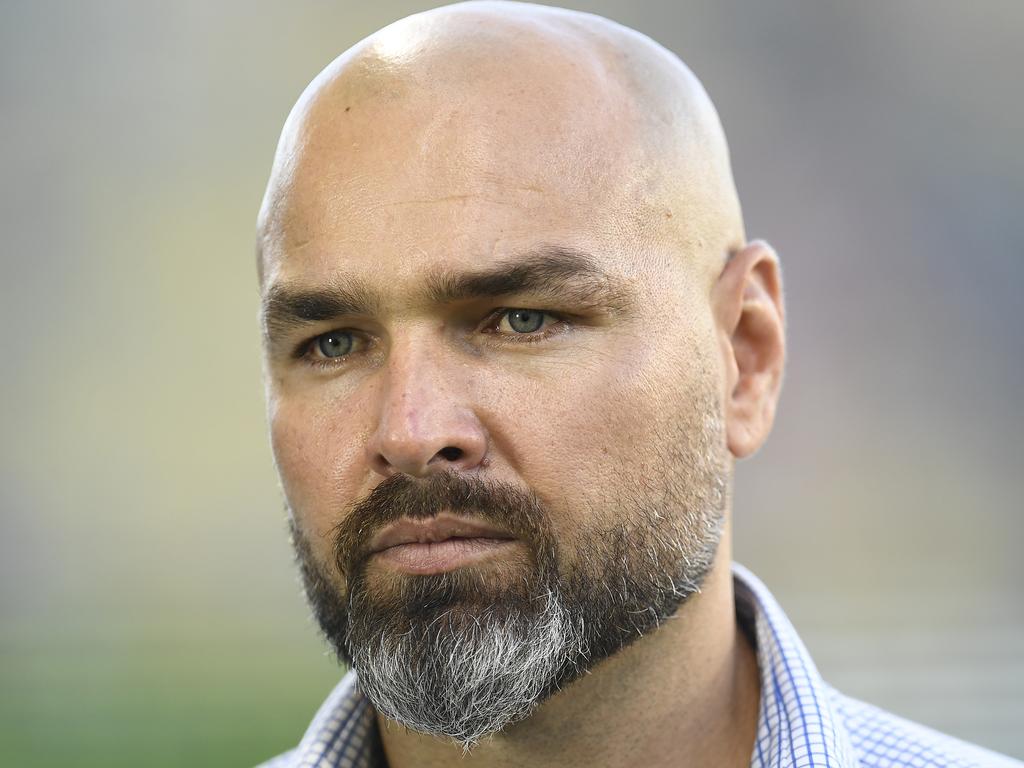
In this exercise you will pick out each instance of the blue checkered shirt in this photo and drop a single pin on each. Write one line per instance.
(803, 722)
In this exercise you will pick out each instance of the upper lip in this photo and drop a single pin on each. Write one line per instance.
(433, 529)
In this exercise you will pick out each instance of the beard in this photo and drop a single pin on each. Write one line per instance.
(464, 653)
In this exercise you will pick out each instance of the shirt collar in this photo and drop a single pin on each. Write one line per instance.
(796, 723)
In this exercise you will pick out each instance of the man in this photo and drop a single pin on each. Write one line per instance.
(515, 338)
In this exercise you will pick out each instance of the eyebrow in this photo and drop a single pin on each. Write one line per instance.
(567, 275)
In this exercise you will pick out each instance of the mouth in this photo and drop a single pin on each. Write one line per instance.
(438, 544)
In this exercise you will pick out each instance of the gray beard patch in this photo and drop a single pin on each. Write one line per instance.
(464, 677)
(458, 656)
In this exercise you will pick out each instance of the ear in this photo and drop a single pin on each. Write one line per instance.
(750, 315)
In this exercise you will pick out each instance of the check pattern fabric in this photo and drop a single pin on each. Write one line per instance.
(803, 722)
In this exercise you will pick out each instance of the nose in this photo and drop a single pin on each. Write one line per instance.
(426, 423)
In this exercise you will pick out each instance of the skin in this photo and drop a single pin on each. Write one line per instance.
(467, 136)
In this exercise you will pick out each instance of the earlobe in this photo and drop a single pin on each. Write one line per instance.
(750, 312)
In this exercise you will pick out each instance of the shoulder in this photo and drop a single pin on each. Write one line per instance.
(881, 739)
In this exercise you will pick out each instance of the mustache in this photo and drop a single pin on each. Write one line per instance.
(503, 504)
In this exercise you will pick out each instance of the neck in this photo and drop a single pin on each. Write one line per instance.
(686, 694)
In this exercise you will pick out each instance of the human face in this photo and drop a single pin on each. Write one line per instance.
(504, 340)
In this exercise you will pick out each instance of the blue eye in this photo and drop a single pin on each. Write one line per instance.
(525, 320)
(334, 343)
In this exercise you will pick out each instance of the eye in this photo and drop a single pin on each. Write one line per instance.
(332, 344)
(523, 325)
(524, 320)
(333, 348)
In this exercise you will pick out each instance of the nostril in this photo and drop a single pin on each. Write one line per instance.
(451, 453)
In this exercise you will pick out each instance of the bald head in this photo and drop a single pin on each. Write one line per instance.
(491, 120)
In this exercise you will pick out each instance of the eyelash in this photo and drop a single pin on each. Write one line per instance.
(307, 351)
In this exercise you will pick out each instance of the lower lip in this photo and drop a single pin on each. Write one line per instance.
(440, 556)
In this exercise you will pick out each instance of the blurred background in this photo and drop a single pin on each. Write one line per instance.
(149, 609)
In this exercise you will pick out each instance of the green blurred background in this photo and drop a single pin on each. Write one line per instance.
(149, 609)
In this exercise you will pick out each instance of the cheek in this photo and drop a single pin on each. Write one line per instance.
(311, 449)
(580, 433)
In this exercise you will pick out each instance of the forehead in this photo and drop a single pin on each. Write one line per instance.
(393, 177)
(398, 175)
